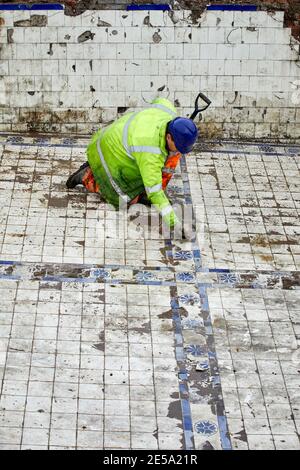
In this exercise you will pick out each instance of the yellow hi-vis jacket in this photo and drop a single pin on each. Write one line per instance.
(128, 157)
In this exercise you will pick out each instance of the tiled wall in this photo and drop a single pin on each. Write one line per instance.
(72, 73)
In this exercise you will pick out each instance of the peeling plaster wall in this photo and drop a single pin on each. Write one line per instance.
(61, 73)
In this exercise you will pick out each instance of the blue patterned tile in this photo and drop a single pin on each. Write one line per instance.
(69, 141)
(267, 148)
(195, 350)
(206, 428)
(15, 139)
(144, 276)
(188, 324)
(189, 299)
(183, 255)
(41, 140)
(100, 273)
(215, 379)
(185, 277)
(293, 151)
(229, 278)
(175, 189)
(202, 366)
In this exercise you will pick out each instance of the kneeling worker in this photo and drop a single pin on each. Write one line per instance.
(135, 157)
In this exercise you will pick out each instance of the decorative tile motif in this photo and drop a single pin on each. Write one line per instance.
(16, 139)
(206, 428)
(188, 324)
(202, 366)
(41, 141)
(68, 141)
(267, 148)
(185, 277)
(293, 151)
(196, 350)
(183, 255)
(100, 273)
(144, 276)
(189, 299)
(175, 189)
(229, 278)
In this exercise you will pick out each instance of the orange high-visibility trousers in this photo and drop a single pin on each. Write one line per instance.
(89, 182)
(169, 169)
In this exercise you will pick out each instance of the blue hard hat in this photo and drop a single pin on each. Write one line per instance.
(184, 133)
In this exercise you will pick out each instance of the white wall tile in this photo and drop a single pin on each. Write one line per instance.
(32, 35)
(158, 51)
(108, 51)
(208, 51)
(200, 67)
(175, 83)
(200, 35)
(175, 51)
(133, 35)
(258, 51)
(122, 18)
(56, 18)
(216, 35)
(157, 18)
(126, 83)
(241, 51)
(232, 67)
(225, 51)
(191, 51)
(216, 67)
(49, 34)
(250, 35)
(137, 51)
(178, 34)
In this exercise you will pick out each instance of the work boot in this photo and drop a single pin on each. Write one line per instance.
(76, 178)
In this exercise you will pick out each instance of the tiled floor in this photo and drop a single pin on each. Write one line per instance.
(136, 342)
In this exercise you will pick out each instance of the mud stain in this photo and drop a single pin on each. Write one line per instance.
(168, 315)
(101, 336)
(207, 446)
(219, 323)
(174, 410)
(99, 346)
(56, 202)
(145, 328)
(264, 241)
(291, 282)
(267, 258)
(23, 179)
(241, 435)
(9, 270)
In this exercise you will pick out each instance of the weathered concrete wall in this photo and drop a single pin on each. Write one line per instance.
(72, 73)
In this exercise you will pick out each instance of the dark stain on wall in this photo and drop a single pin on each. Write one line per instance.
(10, 33)
(35, 20)
(86, 36)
